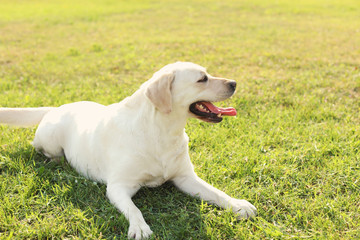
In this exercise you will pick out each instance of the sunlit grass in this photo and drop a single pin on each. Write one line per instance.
(292, 151)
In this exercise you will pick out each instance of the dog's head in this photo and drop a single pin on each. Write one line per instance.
(188, 86)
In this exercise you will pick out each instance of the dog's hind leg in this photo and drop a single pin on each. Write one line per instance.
(47, 142)
(54, 156)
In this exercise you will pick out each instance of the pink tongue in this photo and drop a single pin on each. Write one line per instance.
(224, 111)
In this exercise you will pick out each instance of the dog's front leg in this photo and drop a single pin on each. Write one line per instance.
(120, 196)
(195, 186)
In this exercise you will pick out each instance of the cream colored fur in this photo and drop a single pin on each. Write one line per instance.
(140, 141)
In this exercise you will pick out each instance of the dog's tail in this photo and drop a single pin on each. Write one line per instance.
(23, 117)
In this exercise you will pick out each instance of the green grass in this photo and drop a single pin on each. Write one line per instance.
(292, 151)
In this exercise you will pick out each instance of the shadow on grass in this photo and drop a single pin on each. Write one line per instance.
(170, 213)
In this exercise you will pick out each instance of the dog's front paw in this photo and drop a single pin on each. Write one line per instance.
(243, 209)
(139, 231)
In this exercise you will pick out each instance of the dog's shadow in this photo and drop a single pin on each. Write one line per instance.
(170, 213)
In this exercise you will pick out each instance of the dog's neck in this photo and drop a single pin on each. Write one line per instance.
(173, 123)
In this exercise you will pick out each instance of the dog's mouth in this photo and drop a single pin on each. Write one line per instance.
(208, 112)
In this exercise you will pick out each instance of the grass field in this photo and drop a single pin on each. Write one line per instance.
(292, 151)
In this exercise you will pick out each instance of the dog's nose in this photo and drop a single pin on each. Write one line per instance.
(232, 85)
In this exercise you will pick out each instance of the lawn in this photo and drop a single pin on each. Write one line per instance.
(292, 150)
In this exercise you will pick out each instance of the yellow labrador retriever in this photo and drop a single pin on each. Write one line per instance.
(140, 141)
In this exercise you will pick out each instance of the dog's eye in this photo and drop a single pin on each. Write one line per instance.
(204, 79)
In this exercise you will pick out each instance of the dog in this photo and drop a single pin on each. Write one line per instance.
(140, 141)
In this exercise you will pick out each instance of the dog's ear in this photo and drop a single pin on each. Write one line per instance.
(159, 92)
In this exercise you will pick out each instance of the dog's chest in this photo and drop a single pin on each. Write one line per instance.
(159, 174)
(168, 161)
